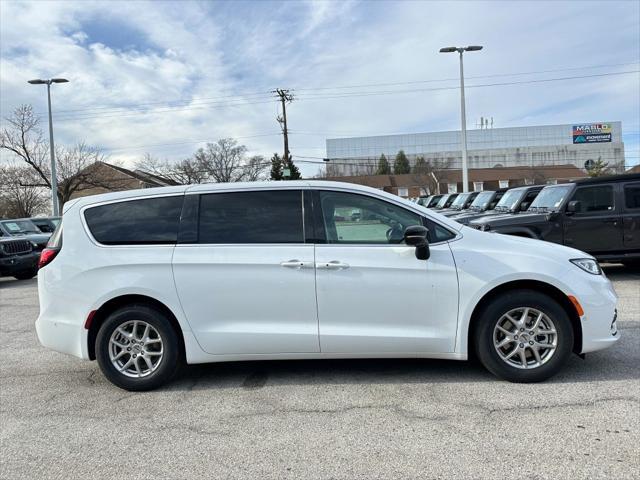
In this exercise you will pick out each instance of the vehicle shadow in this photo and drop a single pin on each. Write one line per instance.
(609, 365)
(7, 283)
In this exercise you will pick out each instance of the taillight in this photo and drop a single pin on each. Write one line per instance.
(46, 256)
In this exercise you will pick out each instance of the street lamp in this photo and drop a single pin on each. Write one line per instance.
(54, 180)
(460, 50)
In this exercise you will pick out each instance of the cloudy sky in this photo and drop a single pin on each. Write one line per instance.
(164, 77)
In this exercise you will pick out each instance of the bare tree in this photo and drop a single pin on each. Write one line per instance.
(426, 172)
(24, 139)
(19, 197)
(183, 172)
(225, 161)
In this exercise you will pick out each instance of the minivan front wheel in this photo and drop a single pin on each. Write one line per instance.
(524, 336)
(137, 348)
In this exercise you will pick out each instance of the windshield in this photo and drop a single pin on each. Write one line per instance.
(482, 201)
(442, 201)
(510, 200)
(424, 201)
(19, 227)
(550, 198)
(460, 200)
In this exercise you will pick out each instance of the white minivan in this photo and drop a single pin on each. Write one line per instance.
(144, 280)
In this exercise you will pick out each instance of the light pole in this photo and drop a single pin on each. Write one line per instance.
(460, 50)
(52, 157)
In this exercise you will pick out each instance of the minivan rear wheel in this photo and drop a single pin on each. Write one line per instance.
(524, 336)
(137, 348)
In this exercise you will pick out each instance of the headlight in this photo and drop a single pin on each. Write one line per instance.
(588, 265)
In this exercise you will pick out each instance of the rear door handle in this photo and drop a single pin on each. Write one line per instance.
(296, 264)
(332, 265)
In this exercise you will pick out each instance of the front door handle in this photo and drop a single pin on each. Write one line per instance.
(296, 264)
(332, 265)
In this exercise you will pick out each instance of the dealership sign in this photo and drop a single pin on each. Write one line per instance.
(592, 133)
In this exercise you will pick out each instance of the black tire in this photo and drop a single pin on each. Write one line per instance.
(26, 274)
(633, 265)
(494, 311)
(171, 357)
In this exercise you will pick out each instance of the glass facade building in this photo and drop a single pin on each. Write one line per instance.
(543, 145)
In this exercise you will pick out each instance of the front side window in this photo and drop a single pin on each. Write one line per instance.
(595, 199)
(351, 218)
(251, 217)
(134, 222)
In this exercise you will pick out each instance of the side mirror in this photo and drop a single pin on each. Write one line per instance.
(524, 206)
(575, 206)
(416, 235)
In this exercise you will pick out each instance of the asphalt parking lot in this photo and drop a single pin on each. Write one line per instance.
(392, 419)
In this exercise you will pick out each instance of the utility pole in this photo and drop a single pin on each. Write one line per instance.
(285, 97)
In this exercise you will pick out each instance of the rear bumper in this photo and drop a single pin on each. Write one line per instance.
(18, 263)
(60, 325)
(61, 336)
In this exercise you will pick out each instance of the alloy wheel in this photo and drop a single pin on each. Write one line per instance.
(525, 338)
(135, 349)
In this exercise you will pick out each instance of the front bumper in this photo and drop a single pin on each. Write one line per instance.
(598, 300)
(18, 263)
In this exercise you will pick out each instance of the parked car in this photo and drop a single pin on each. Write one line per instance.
(486, 201)
(600, 216)
(145, 280)
(445, 201)
(18, 258)
(429, 201)
(24, 228)
(46, 224)
(462, 202)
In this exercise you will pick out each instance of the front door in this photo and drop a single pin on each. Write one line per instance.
(247, 281)
(374, 295)
(597, 227)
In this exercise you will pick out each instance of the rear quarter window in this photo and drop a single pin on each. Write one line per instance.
(135, 222)
(632, 196)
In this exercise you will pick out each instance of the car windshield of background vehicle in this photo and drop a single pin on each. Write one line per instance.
(509, 200)
(550, 198)
(442, 201)
(459, 201)
(20, 227)
(482, 201)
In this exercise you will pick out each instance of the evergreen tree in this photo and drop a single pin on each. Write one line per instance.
(294, 172)
(599, 168)
(383, 166)
(401, 164)
(276, 167)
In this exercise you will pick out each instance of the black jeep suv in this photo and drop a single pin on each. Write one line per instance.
(18, 258)
(600, 216)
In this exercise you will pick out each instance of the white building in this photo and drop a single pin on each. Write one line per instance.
(543, 145)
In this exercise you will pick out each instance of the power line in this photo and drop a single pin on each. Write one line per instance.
(471, 77)
(334, 96)
(263, 93)
(523, 82)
